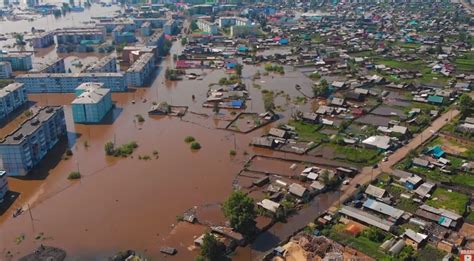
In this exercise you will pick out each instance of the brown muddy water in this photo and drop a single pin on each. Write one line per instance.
(127, 203)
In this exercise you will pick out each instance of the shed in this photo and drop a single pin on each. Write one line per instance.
(277, 133)
(298, 190)
(383, 209)
(375, 192)
(269, 205)
(421, 162)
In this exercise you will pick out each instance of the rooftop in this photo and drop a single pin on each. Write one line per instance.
(10, 88)
(31, 125)
(92, 93)
(138, 65)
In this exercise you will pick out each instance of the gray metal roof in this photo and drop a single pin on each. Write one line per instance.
(367, 218)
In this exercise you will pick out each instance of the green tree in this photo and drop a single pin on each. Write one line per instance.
(321, 89)
(465, 104)
(212, 249)
(239, 209)
(238, 70)
(325, 177)
(20, 39)
(193, 26)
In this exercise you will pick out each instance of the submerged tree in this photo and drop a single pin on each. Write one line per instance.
(212, 249)
(239, 209)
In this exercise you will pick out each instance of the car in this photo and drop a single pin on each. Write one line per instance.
(346, 181)
(385, 159)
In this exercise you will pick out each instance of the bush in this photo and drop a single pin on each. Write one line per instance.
(74, 175)
(189, 139)
(232, 153)
(140, 118)
(123, 151)
(195, 145)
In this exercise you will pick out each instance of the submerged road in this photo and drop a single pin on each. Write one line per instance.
(282, 231)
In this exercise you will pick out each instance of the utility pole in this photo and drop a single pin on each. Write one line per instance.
(31, 218)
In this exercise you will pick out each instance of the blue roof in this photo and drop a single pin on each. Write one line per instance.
(436, 151)
(236, 103)
(284, 41)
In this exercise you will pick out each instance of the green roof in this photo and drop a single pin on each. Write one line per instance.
(435, 99)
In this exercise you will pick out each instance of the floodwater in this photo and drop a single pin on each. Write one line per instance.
(128, 203)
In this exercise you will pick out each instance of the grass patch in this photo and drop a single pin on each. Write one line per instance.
(407, 205)
(274, 68)
(430, 253)
(361, 243)
(268, 100)
(357, 155)
(454, 201)
(308, 132)
(408, 65)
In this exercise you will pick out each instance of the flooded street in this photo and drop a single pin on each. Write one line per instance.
(128, 203)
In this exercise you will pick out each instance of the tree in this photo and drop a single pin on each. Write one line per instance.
(325, 177)
(212, 249)
(193, 26)
(239, 209)
(20, 39)
(423, 119)
(465, 104)
(321, 89)
(216, 108)
(238, 70)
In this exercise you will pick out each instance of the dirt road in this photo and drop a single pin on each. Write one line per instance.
(369, 173)
(267, 241)
(468, 6)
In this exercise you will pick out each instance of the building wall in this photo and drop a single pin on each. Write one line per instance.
(18, 62)
(19, 159)
(5, 70)
(63, 83)
(43, 40)
(207, 27)
(12, 101)
(92, 113)
(3, 185)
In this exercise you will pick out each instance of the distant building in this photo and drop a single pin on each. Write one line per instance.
(75, 35)
(157, 39)
(106, 64)
(68, 82)
(145, 29)
(233, 20)
(12, 97)
(5, 70)
(43, 40)
(141, 71)
(18, 61)
(170, 27)
(128, 25)
(93, 102)
(3, 185)
(121, 36)
(131, 53)
(207, 26)
(23, 149)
